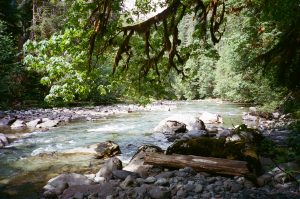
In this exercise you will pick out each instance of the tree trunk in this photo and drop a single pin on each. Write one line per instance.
(198, 163)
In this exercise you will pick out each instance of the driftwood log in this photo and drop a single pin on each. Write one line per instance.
(198, 163)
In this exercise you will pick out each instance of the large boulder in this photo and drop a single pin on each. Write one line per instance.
(106, 149)
(181, 127)
(107, 169)
(191, 122)
(137, 165)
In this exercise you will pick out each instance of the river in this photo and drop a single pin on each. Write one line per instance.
(23, 165)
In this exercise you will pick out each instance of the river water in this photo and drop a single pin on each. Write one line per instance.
(129, 131)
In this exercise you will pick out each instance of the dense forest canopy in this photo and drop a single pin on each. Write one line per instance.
(101, 51)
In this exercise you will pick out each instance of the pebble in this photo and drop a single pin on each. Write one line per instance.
(198, 188)
(150, 180)
(162, 182)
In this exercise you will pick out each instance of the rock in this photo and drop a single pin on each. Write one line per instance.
(234, 138)
(3, 140)
(198, 188)
(136, 164)
(7, 121)
(109, 166)
(181, 193)
(224, 133)
(150, 180)
(264, 179)
(140, 192)
(166, 174)
(281, 177)
(78, 195)
(235, 187)
(71, 179)
(160, 193)
(211, 118)
(47, 123)
(99, 190)
(195, 134)
(252, 109)
(162, 182)
(18, 124)
(33, 123)
(57, 185)
(122, 174)
(106, 149)
(249, 117)
(175, 127)
(189, 187)
(2, 114)
(191, 122)
(129, 181)
(276, 115)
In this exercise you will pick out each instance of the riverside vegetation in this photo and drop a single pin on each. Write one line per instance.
(88, 53)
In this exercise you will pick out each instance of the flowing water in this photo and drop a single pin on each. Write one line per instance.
(22, 161)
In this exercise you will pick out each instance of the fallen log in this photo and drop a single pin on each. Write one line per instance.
(199, 163)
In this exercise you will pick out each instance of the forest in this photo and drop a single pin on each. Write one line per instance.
(59, 53)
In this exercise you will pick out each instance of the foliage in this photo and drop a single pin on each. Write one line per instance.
(80, 44)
